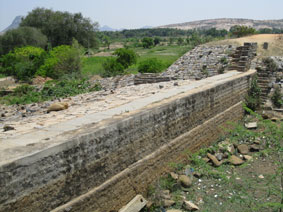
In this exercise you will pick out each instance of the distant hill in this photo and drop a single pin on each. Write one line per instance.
(107, 28)
(15, 24)
(226, 23)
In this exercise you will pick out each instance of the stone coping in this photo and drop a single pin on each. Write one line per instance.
(29, 147)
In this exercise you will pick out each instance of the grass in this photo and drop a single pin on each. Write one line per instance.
(93, 65)
(166, 54)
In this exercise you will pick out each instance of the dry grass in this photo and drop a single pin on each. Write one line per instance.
(275, 43)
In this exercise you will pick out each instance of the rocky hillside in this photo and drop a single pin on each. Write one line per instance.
(227, 23)
(15, 24)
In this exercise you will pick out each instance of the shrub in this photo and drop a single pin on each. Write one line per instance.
(277, 97)
(253, 98)
(152, 65)
(23, 62)
(112, 68)
(147, 43)
(27, 94)
(270, 64)
(126, 57)
(62, 60)
(22, 36)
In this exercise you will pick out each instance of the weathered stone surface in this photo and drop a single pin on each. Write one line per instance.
(236, 160)
(135, 204)
(185, 181)
(243, 149)
(189, 205)
(251, 125)
(174, 210)
(214, 159)
(125, 152)
(248, 157)
(168, 203)
(254, 147)
(174, 175)
(58, 106)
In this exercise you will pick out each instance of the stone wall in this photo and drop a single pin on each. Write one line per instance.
(101, 167)
(203, 61)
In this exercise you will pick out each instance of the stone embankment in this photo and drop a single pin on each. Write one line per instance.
(101, 160)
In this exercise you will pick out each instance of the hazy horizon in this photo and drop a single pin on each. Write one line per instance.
(136, 14)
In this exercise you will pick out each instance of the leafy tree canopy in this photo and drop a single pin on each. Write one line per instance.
(22, 36)
(61, 27)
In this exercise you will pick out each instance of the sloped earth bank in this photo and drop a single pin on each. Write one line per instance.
(253, 185)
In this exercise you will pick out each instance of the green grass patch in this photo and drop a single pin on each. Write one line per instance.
(93, 65)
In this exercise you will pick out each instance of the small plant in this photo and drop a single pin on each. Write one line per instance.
(277, 97)
(151, 65)
(204, 70)
(270, 64)
(253, 100)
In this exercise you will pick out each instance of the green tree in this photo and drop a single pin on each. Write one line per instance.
(23, 62)
(112, 68)
(147, 43)
(126, 57)
(22, 36)
(156, 41)
(61, 27)
(240, 31)
(253, 98)
(180, 41)
(171, 40)
(62, 60)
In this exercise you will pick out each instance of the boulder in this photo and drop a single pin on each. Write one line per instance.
(58, 106)
(168, 203)
(185, 181)
(243, 149)
(251, 125)
(189, 205)
(236, 160)
(214, 159)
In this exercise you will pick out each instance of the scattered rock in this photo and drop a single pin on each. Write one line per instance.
(176, 84)
(219, 156)
(261, 176)
(248, 157)
(243, 149)
(149, 204)
(161, 86)
(8, 128)
(254, 148)
(58, 106)
(174, 210)
(214, 160)
(174, 175)
(185, 181)
(251, 125)
(236, 160)
(197, 174)
(189, 205)
(168, 203)
(206, 159)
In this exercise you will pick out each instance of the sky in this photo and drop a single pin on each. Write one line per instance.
(138, 13)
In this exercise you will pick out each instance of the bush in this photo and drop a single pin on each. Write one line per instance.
(126, 57)
(22, 36)
(277, 97)
(23, 62)
(27, 94)
(62, 60)
(253, 98)
(152, 65)
(112, 68)
(270, 64)
(147, 43)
